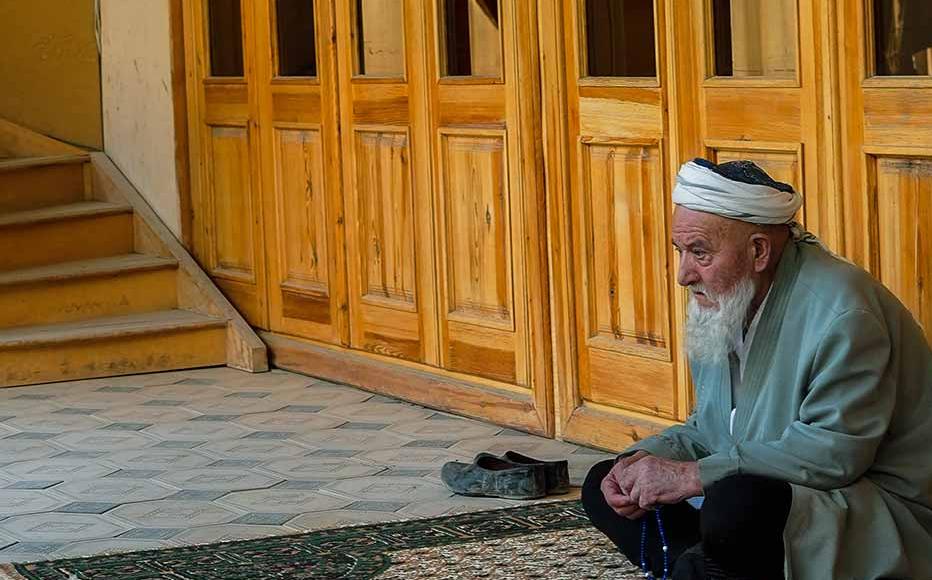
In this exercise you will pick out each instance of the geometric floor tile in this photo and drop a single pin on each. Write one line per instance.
(325, 396)
(103, 440)
(453, 505)
(14, 501)
(207, 479)
(24, 450)
(61, 527)
(370, 412)
(234, 406)
(412, 457)
(385, 488)
(277, 500)
(453, 429)
(55, 423)
(148, 414)
(57, 469)
(253, 449)
(181, 392)
(340, 518)
(351, 440)
(312, 468)
(159, 459)
(173, 514)
(115, 490)
(197, 431)
(286, 421)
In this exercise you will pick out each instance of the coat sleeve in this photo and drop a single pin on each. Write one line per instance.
(842, 419)
(680, 442)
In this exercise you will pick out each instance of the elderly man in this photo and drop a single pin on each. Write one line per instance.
(810, 447)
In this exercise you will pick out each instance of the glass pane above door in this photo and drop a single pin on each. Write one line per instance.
(471, 38)
(297, 50)
(754, 38)
(379, 37)
(620, 40)
(902, 37)
(225, 30)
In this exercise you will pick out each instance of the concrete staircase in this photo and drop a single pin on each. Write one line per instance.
(92, 284)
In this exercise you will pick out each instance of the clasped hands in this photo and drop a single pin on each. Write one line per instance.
(640, 482)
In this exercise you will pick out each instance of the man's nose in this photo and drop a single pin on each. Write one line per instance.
(686, 275)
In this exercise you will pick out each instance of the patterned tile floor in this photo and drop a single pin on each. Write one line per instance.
(206, 455)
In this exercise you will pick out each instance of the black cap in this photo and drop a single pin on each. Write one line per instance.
(744, 172)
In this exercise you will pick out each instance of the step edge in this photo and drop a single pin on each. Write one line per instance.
(82, 210)
(98, 334)
(21, 163)
(154, 264)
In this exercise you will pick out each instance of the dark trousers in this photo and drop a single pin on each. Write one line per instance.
(739, 528)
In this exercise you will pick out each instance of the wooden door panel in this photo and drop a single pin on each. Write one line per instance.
(479, 330)
(476, 229)
(898, 116)
(620, 112)
(381, 104)
(625, 247)
(230, 197)
(386, 217)
(904, 231)
(646, 386)
(226, 103)
(753, 113)
(292, 106)
(303, 244)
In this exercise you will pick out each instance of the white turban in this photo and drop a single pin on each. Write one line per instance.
(701, 189)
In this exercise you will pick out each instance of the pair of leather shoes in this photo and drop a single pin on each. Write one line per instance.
(509, 476)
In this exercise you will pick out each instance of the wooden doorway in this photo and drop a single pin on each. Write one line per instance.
(303, 206)
(618, 164)
(227, 233)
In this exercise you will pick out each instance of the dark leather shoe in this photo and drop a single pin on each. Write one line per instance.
(557, 472)
(490, 476)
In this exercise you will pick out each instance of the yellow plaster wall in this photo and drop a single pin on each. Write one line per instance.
(49, 69)
(139, 128)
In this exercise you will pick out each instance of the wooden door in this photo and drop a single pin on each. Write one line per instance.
(887, 145)
(619, 175)
(488, 197)
(386, 178)
(296, 87)
(227, 232)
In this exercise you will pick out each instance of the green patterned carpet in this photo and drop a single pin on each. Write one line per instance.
(545, 540)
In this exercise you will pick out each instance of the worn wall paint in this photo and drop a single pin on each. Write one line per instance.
(49, 69)
(139, 128)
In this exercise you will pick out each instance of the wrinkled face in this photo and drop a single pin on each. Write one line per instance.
(714, 254)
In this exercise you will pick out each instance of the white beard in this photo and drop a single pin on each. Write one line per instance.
(711, 332)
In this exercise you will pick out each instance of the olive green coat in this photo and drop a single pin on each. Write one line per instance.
(836, 400)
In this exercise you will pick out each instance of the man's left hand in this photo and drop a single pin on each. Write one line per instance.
(654, 480)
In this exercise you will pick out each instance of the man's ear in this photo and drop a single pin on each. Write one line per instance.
(762, 251)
